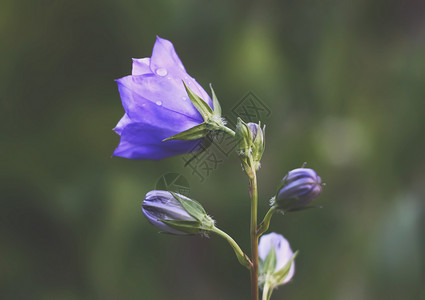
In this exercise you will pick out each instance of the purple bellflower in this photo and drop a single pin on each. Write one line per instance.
(157, 106)
(274, 267)
(297, 189)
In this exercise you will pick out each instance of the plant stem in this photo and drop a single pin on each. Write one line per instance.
(266, 292)
(242, 258)
(227, 130)
(254, 236)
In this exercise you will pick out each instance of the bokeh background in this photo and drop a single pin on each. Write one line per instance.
(345, 84)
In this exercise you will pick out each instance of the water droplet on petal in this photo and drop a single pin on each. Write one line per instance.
(158, 103)
(184, 98)
(161, 72)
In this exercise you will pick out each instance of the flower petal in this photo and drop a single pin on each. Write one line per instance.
(283, 255)
(152, 218)
(164, 56)
(144, 141)
(265, 245)
(165, 61)
(141, 66)
(125, 120)
(168, 93)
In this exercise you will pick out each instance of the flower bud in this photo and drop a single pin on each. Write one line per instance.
(175, 213)
(297, 189)
(258, 142)
(276, 260)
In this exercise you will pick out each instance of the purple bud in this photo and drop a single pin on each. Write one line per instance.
(162, 205)
(298, 188)
(283, 253)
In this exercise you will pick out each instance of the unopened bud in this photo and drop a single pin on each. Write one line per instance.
(175, 213)
(297, 189)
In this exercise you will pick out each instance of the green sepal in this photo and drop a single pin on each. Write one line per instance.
(247, 167)
(269, 264)
(216, 104)
(265, 224)
(287, 204)
(192, 207)
(190, 227)
(291, 205)
(258, 144)
(194, 133)
(203, 108)
(282, 273)
(243, 137)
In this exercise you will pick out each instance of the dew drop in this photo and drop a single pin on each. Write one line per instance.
(158, 103)
(184, 98)
(161, 72)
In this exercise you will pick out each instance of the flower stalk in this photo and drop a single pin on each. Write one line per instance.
(242, 257)
(227, 130)
(254, 235)
(267, 292)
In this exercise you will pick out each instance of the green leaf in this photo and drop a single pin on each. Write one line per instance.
(190, 227)
(216, 104)
(282, 273)
(194, 133)
(193, 208)
(203, 108)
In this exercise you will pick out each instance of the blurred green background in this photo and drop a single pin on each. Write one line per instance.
(345, 83)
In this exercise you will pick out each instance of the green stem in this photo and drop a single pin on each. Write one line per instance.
(227, 130)
(265, 224)
(242, 257)
(267, 292)
(254, 236)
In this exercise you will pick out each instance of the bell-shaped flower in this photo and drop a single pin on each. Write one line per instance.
(157, 106)
(277, 265)
(175, 213)
(297, 189)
